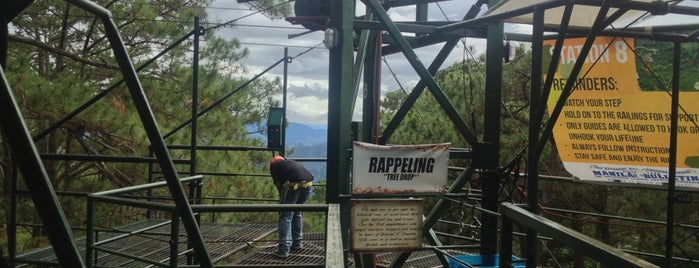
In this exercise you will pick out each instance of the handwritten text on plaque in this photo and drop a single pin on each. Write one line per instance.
(386, 225)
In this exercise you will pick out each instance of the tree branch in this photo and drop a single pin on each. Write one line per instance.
(24, 40)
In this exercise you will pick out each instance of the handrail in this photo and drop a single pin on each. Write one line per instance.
(260, 207)
(334, 254)
(110, 196)
(151, 127)
(593, 248)
(141, 187)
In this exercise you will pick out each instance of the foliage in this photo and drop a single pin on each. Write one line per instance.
(560, 199)
(654, 65)
(60, 59)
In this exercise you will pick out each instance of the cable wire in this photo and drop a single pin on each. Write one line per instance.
(248, 15)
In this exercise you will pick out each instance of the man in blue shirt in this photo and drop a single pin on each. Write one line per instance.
(294, 183)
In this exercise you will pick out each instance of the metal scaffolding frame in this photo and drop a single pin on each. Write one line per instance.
(381, 36)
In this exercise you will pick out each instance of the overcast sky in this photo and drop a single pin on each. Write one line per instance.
(308, 73)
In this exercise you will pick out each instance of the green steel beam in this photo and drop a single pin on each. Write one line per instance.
(592, 248)
(151, 127)
(672, 163)
(488, 153)
(359, 61)
(340, 105)
(439, 208)
(423, 72)
(36, 178)
(575, 71)
(536, 104)
(535, 152)
(400, 3)
(195, 98)
(421, 10)
(465, 176)
(372, 88)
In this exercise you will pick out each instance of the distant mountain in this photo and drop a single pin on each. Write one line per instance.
(300, 134)
(306, 141)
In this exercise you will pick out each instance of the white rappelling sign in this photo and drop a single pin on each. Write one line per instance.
(394, 169)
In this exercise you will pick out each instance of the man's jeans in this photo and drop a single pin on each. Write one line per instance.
(291, 222)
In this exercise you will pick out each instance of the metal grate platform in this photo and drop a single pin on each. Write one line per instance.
(222, 240)
(418, 259)
(311, 255)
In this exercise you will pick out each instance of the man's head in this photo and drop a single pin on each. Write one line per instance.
(276, 159)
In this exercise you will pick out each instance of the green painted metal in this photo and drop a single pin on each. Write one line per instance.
(36, 179)
(421, 9)
(195, 98)
(364, 39)
(592, 248)
(372, 88)
(340, 105)
(343, 92)
(672, 163)
(424, 73)
(575, 71)
(464, 177)
(174, 239)
(536, 105)
(285, 92)
(487, 154)
(103, 93)
(339, 101)
(151, 127)
(536, 151)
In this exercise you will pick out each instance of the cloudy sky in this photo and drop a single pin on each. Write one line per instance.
(308, 73)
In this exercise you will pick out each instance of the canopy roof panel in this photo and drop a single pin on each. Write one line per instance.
(634, 13)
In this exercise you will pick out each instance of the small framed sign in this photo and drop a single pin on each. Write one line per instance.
(379, 225)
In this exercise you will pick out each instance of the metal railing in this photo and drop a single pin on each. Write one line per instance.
(595, 249)
(126, 197)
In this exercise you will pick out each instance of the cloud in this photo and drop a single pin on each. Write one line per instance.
(307, 74)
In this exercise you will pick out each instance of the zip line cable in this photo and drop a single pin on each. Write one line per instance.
(424, 122)
(248, 15)
(220, 101)
(306, 51)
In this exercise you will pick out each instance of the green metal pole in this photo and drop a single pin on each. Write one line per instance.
(372, 81)
(195, 100)
(151, 127)
(488, 151)
(90, 233)
(672, 163)
(36, 178)
(534, 127)
(285, 90)
(421, 70)
(193, 132)
(340, 102)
